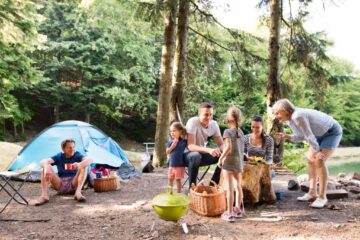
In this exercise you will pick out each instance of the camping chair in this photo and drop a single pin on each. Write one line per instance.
(7, 184)
(198, 179)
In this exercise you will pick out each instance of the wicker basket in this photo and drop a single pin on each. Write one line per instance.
(207, 200)
(105, 184)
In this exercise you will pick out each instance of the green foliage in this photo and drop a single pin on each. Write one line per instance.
(101, 59)
(294, 157)
(344, 105)
(18, 37)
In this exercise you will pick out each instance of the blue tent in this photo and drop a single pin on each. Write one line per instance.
(89, 141)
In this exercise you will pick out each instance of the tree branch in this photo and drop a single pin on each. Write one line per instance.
(211, 40)
(221, 46)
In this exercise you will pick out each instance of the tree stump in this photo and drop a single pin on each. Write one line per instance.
(256, 183)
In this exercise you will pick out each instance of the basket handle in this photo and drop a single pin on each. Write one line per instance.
(208, 180)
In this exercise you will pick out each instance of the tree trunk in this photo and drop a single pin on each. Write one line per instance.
(15, 130)
(273, 86)
(56, 113)
(4, 127)
(167, 59)
(22, 129)
(179, 77)
(87, 117)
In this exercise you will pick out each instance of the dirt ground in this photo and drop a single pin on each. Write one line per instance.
(127, 214)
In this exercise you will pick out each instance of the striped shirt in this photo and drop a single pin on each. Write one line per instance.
(307, 124)
(266, 151)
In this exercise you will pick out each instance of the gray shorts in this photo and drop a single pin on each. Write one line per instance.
(65, 186)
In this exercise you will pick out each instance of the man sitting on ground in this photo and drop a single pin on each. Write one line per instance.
(199, 129)
(72, 172)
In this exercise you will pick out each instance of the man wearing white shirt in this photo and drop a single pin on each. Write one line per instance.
(199, 130)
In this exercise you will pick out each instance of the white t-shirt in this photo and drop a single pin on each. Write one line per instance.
(201, 134)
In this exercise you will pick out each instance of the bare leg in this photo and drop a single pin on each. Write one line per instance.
(312, 174)
(171, 184)
(228, 176)
(79, 181)
(239, 192)
(55, 181)
(178, 185)
(323, 172)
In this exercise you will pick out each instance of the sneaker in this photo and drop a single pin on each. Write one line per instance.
(227, 217)
(237, 213)
(306, 198)
(319, 203)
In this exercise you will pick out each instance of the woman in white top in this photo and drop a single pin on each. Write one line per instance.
(323, 134)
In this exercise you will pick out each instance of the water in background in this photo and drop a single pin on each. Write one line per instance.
(345, 164)
(341, 165)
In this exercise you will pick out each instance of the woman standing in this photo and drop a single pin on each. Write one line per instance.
(322, 132)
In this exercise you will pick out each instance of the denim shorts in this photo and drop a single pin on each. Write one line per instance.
(331, 139)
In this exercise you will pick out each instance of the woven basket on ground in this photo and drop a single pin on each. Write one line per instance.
(207, 200)
(105, 184)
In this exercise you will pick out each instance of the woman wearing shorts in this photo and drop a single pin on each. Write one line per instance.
(322, 132)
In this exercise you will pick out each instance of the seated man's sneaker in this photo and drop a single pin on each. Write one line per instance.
(319, 203)
(306, 198)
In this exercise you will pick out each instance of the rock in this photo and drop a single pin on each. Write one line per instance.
(304, 187)
(353, 189)
(303, 178)
(349, 176)
(354, 182)
(356, 176)
(293, 185)
(337, 194)
(333, 185)
(341, 175)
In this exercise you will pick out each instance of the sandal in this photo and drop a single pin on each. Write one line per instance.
(41, 201)
(81, 199)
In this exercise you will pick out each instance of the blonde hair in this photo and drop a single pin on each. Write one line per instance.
(284, 105)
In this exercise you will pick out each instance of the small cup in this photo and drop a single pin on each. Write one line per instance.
(99, 175)
(279, 196)
(69, 166)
